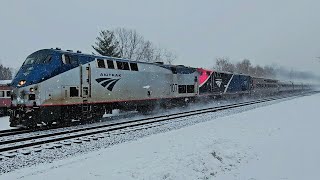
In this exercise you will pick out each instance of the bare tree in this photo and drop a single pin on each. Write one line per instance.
(146, 52)
(220, 63)
(269, 71)
(133, 46)
(168, 56)
(243, 66)
(130, 42)
(257, 71)
(223, 64)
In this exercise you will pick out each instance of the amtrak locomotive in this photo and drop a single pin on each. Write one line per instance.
(55, 86)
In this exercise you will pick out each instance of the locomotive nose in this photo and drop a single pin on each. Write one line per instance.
(27, 76)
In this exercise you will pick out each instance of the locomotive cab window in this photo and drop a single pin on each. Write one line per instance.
(68, 59)
(48, 59)
(101, 63)
(40, 57)
(134, 66)
(1, 93)
(74, 60)
(110, 64)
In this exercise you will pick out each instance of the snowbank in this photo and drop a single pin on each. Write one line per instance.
(4, 123)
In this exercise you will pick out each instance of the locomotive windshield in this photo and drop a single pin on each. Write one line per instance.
(40, 57)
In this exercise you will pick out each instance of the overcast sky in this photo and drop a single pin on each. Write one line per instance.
(285, 32)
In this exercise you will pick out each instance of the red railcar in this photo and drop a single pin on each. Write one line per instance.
(5, 96)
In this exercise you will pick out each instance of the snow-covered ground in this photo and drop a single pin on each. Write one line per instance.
(279, 141)
(4, 123)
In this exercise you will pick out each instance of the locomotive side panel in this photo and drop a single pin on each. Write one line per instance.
(220, 83)
(62, 89)
(150, 82)
(239, 84)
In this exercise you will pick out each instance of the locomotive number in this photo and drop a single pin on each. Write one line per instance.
(174, 87)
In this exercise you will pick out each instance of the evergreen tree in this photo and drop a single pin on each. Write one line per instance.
(106, 44)
(5, 73)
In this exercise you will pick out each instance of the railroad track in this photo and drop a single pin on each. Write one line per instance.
(66, 137)
(21, 131)
(9, 131)
(18, 131)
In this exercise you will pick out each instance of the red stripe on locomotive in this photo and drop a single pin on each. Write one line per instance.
(204, 75)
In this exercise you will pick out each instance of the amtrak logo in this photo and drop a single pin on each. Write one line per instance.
(218, 82)
(107, 82)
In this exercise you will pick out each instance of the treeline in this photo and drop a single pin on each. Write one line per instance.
(246, 67)
(5, 73)
(129, 44)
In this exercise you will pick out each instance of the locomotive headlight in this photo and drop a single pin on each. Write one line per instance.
(21, 83)
(31, 90)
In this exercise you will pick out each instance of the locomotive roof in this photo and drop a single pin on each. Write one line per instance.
(179, 68)
(79, 53)
(225, 72)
